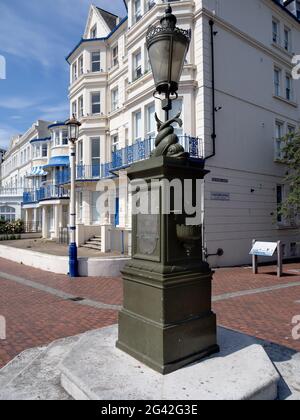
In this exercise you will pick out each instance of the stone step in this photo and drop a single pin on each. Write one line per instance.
(18, 364)
(39, 379)
(91, 246)
(96, 241)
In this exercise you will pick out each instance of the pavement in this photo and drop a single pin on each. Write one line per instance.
(41, 307)
(53, 248)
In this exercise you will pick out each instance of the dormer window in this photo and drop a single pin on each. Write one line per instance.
(94, 32)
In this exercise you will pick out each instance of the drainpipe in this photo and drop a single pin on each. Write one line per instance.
(214, 135)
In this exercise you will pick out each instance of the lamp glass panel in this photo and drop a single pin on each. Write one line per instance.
(178, 58)
(159, 55)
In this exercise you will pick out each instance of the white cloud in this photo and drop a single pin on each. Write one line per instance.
(29, 39)
(17, 103)
(49, 33)
(54, 112)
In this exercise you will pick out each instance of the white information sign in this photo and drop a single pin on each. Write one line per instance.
(264, 249)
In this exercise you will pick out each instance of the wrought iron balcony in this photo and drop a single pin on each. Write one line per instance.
(48, 192)
(125, 157)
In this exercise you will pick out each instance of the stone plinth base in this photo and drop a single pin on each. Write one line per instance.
(96, 370)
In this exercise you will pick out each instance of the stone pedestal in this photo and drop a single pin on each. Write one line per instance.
(167, 321)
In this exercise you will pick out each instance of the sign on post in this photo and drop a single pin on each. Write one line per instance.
(266, 249)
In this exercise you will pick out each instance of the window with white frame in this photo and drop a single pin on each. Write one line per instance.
(93, 33)
(275, 29)
(137, 10)
(115, 56)
(137, 65)
(65, 139)
(150, 4)
(96, 62)
(137, 126)
(74, 108)
(57, 138)
(114, 99)
(80, 152)
(288, 87)
(115, 143)
(177, 107)
(287, 39)
(96, 103)
(95, 207)
(7, 214)
(95, 151)
(80, 106)
(277, 82)
(80, 65)
(150, 121)
(278, 140)
(74, 72)
(44, 150)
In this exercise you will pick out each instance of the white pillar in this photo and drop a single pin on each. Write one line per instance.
(44, 222)
(56, 221)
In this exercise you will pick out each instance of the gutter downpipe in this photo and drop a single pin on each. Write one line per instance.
(214, 135)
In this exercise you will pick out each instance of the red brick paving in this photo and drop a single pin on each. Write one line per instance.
(36, 318)
(106, 290)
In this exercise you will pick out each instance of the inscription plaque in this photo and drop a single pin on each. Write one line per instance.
(147, 233)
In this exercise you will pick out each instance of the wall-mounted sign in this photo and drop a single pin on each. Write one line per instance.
(222, 180)
(264, 249)
(220, 196)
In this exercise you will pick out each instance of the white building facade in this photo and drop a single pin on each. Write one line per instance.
(22, 159)
(238, 99)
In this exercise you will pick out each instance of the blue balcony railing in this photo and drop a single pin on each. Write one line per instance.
(123, 158)
(44, 193)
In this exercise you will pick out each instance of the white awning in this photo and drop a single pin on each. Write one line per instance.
(37, 171)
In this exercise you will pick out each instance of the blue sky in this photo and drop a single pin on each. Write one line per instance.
(35, 38)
